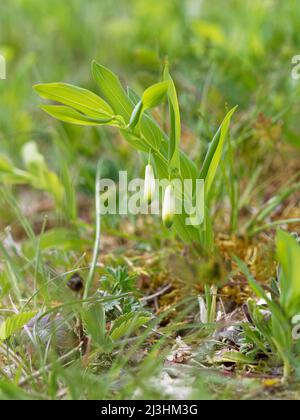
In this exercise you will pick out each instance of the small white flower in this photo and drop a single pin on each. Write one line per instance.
(149, 188)
(31, 155)
(168, 210)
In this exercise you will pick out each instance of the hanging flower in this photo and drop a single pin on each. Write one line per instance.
(168, 210)
(149, 188)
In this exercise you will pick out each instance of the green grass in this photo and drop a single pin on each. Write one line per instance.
(105, 322)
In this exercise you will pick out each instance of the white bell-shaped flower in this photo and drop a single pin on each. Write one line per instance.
(168, 210)
(149, 187)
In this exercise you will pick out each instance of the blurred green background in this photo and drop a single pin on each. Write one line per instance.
(221, 54)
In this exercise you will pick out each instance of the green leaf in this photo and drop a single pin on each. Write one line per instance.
(175, 124)
(150, 99)
(112, 90)
(126, 324)
(151, 133)
(288, 254)
(69, 115)
(14, 323)
(136, 115)
(187, 167)
(133, 96)
(155, 94)
(214, 154)
(135, 141)
(80, 99)
(188, 234)
(95, 322)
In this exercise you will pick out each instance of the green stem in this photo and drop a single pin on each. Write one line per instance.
(91, 274)
(286, 370)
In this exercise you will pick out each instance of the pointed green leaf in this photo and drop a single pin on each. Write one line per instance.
(150, 99)
(80, 99)
(94, 320)
(155, 94)
(136, 115)
(175, 124)
(112, 90)
(69, 115)
(288, 254)
(214, 154)
(151, 132)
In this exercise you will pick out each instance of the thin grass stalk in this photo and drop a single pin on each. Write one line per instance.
(96, 251)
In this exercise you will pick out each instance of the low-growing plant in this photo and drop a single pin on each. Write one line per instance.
(130, 113)
(36, 173)
(272, 331)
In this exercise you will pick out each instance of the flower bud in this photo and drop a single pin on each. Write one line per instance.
(149, 188)
(168, 210)
(31, 155)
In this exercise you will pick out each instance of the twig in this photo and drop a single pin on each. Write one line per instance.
(157, 294)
